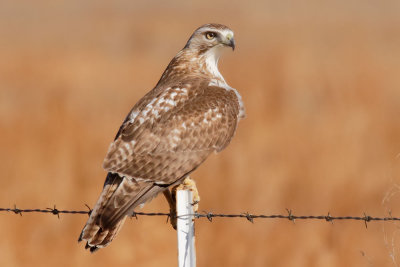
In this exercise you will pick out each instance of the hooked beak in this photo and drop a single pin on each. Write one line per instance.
(230, 41)
(232, 44)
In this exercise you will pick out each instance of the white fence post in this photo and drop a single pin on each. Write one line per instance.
(185, 229)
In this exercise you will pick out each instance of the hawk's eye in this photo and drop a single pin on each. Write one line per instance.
(210, 35)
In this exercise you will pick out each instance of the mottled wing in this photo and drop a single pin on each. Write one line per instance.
(175, 132)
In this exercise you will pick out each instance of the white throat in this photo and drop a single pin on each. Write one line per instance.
(211, 61)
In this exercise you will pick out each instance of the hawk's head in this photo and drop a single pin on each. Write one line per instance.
(201, 53)
(211, 37)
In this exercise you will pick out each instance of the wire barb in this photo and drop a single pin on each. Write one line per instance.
(328, 218)
(209, 216)
(89, 208)
(17, 211)
(249, 217)
(54, 211)
(290, 216)
(366, 220)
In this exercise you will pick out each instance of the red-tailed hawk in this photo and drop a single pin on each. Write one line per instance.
(191, 113)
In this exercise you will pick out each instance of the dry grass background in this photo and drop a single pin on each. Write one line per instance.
(321, 84)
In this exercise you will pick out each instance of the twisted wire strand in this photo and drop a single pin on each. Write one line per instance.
(210, 215)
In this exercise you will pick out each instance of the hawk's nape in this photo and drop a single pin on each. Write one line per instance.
(191, 113)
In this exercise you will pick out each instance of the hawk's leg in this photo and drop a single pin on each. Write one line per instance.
(172, 207)
(187, 184)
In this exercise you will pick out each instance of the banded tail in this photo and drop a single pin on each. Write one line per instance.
(120, 196)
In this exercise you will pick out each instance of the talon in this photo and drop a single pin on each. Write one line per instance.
(189, 184)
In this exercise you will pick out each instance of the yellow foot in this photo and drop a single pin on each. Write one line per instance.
(187, 184)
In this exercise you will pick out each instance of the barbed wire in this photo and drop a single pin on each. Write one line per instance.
(210, 215)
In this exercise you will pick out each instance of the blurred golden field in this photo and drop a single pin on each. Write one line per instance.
(321, 85)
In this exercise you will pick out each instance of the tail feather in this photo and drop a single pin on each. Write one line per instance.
(119, 197)
(103, 237)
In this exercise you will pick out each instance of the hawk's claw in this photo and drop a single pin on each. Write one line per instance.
(188, 184)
